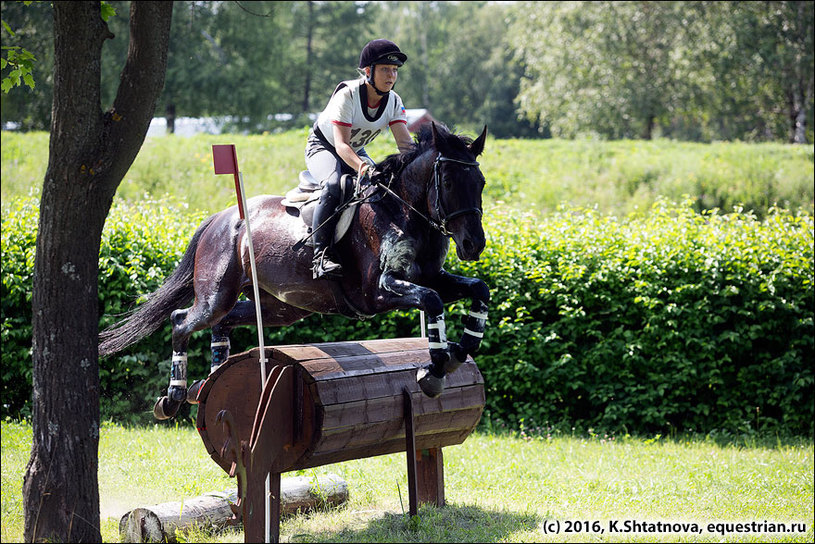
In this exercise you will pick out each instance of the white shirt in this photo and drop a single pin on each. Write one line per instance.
(348, 107)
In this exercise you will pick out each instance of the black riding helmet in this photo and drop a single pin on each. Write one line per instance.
(380, 52)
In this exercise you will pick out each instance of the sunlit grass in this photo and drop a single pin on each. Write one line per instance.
(500, 487)
(617, 177)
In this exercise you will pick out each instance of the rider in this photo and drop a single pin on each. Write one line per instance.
(358, 111)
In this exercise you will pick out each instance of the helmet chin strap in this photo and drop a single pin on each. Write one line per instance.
(370, 80)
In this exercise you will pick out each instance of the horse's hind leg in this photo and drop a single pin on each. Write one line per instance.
(209, 308)
(274, 312)
(219, 346)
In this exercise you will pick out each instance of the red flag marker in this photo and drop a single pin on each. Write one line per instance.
(225, 160)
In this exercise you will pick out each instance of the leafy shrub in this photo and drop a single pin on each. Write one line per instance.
(672, 321)
(675, 321)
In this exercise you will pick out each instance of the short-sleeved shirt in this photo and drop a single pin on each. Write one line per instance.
(348, 107)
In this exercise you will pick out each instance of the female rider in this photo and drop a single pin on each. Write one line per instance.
(358, 111)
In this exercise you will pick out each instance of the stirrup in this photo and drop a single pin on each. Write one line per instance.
(324, 266)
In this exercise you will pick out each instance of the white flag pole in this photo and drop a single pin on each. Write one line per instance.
(244, 213)
(256, 289)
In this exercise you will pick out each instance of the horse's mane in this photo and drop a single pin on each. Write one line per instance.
(423, 141)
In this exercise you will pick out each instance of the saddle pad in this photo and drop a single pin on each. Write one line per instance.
(305, 196)
(306, 191)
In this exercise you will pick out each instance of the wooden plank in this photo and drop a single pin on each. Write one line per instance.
(384, 382)
(331, 350)
(275, 425)
(396, 445)
(239, 392)
(380, 409)
(371, 434)
(272, 376)
(327, 369)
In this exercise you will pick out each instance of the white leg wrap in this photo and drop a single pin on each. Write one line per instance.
(478, 315)
(178, 370)
(437, 333)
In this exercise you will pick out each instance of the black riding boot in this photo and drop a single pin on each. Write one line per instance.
(323, 236)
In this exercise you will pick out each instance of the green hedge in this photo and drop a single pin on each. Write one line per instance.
(672, 322)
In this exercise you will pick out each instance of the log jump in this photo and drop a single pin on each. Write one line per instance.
(327, 403)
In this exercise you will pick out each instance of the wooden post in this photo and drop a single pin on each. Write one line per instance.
(273, 512)
(410, 449)
(430, 476)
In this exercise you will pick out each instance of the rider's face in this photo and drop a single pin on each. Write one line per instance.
(385, 76)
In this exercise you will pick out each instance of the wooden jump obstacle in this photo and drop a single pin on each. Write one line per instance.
(328, 403)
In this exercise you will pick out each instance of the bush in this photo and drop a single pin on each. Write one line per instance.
(676, 321)
(673, 321)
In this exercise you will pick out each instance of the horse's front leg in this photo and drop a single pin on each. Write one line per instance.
(396, 293)
(452, 288)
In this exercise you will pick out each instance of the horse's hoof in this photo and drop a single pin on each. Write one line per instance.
(431, 385)
(176, 393)
(193, 390)
(457, 356)
(165, 409)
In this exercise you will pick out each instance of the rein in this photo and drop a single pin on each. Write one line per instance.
(444, 217)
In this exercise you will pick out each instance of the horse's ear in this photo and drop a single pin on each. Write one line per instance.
(477, 147)
(438, 141)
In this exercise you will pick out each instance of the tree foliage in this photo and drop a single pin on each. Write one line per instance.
(734, 70)
(696, 71)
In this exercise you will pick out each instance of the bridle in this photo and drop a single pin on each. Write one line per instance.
(440, 212)
(444, 217)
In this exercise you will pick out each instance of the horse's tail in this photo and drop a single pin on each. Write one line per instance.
(176, 292)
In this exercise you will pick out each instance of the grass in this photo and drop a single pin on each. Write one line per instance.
(500, 487)
(618, 177)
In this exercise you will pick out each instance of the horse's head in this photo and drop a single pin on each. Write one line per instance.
(454, 194)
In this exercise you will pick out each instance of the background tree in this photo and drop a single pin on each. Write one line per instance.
(90, 152)
(763, 57)
(633, 69)
(334, 55)
(612, 68)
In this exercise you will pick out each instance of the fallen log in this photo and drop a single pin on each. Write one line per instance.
(159, 522)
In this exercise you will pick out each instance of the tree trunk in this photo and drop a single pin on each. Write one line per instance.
(88, 156)
(648, 129)
(169, 116)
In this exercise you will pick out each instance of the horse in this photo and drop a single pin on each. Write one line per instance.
(392, 256)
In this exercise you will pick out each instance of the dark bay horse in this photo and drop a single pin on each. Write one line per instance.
(393, 257)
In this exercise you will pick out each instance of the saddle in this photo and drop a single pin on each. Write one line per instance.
(302, 200)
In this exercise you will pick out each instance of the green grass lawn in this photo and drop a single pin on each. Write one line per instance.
(617, 177)
(500, 487)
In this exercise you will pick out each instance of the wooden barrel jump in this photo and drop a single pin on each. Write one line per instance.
(328, 403)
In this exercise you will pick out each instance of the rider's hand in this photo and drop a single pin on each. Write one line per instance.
(366, 169)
